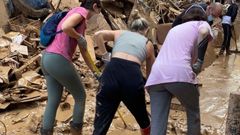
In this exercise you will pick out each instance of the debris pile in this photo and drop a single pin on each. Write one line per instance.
(19, 63)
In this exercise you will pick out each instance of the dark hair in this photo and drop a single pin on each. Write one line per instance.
(88, 4)
(194, 13)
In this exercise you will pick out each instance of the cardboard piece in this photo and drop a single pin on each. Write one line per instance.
(162, 31)
(11, 35)
(4, 48)
(30, 78)
(19, 39)
(4, 42)
(19, 48)
(4, 105)
(5, 51)
(4, 73)
(65, 114)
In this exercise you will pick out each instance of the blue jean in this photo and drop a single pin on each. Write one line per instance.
(161, 96)
(59, 73)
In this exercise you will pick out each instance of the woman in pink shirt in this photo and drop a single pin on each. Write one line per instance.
(58, 69)
(172, 74)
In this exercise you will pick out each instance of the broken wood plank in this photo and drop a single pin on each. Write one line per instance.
(176, 12)
(162, 31)
(4, 105)
(18, 72)
(174, 5)
(5, 71)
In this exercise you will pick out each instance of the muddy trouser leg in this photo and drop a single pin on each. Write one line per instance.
(227, 37)
(160, 100)
(105, 111)
(133, 94)
(188, 95)
(107, 101)
(134, 99)
(59, 73)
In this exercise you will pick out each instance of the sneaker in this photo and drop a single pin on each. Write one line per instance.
(228, 52)
(75, 129)
(46, 131)
(221, 52)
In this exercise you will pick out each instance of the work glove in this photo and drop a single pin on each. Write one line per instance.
(197, 66)
(82, 41)
(97, 76)
(106, 58)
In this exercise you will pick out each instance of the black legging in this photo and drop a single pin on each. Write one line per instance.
(122, 80)
(227, 37)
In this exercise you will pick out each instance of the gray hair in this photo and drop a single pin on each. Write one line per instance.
(139, 24)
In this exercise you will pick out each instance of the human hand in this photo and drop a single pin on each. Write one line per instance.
(106, 58)
(97, 75)
(82, 41)
(197, 66)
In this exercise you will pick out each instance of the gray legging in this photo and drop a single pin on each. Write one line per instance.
(161, 95)
(59, 73)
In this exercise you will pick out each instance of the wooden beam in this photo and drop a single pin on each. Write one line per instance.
(18, 72)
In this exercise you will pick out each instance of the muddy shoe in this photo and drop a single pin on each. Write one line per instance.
(228, 52)
(221, 52)
(145, 131)
(75, 129)
(46, 131)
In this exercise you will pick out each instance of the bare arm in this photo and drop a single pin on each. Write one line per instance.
(105, 35)
(68, 27)
(87, 58)
(69, 24)
(150, 57)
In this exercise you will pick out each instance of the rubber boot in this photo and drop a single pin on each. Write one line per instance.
(46, 131)
(146, 131)
(75, 129)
